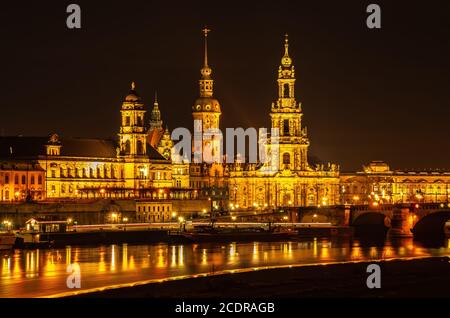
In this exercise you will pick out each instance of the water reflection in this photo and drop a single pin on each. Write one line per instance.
(29, 273)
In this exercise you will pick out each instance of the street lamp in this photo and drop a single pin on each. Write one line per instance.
(8, 225)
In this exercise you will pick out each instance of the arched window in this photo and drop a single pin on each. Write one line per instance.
(286, 158)
(140, 149)
(286, 93)
(286, 127)
(127, 147)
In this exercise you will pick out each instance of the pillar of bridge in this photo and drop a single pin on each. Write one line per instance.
(347, 215)
(400, 223)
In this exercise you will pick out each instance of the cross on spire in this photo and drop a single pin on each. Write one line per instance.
(205, 31)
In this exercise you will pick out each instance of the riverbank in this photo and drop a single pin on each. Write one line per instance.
(427, 277)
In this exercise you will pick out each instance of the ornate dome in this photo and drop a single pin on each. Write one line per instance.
(206, 104)
(132, 95)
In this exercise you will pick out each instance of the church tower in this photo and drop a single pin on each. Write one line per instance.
(155, 116)
(132, 136)
(206, 111)
(286, 116)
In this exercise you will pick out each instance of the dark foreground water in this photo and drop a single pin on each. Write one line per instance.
(37, 273)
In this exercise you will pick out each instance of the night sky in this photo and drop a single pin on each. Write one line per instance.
(366, 94)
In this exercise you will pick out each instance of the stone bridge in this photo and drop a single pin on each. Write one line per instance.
(422, 220)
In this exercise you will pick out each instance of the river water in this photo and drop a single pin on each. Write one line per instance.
(38, 273)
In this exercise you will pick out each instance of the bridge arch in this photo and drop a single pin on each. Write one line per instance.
(371, 223)
(432, 224)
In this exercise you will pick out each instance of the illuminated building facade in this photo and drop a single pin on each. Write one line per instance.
(90, 168)
(21, 179)
(140, 163)
(378, 183)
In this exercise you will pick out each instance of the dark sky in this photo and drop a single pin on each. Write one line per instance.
(366, 94)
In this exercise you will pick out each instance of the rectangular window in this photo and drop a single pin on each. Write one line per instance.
(39, 179)
(16, 179)
(6, 178)
(53, 173)
(32, 179)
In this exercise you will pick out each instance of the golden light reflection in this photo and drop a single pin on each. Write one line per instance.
(132, 265)
(16, 269)
(76, 255)
(181, 255)
(6, 266)
(315, 247)
(232, 253)
(255, 256)
(287, 250)
(324, 252)
(161, 260)
(448, 243)
(173, 260)
(101, 263)
(204, 257)
(113, 258)
(50, 266)
(68, 254)
(125, 256)
(30, 264)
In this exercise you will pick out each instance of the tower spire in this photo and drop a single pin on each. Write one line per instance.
(206, 70)
(206, 83)
(155, 117)
(205, 31)
(286, 44)
(286, 61)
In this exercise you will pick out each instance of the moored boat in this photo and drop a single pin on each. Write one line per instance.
(7, 241)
